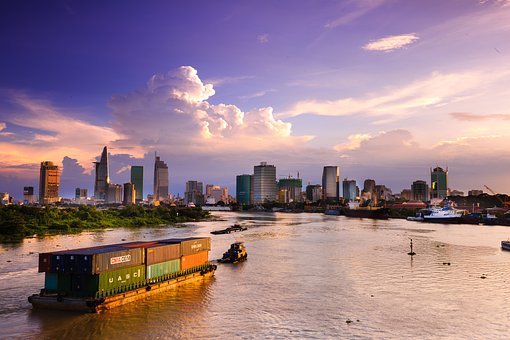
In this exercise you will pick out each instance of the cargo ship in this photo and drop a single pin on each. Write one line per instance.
(100, 278)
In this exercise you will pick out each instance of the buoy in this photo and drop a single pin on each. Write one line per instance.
(411, 252)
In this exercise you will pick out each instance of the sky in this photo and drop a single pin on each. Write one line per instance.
(385, 89)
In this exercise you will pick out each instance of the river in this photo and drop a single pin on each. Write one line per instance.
(307, 276)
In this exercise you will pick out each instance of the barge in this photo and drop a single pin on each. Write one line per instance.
(100, 278)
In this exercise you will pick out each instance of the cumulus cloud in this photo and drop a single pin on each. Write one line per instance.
(172, 113)
(391, 43)
(471, 117)
(353, 142)
(437, 90)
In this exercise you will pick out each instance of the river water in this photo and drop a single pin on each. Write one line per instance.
(306, 276)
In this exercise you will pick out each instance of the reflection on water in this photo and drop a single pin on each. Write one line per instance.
(306, 275)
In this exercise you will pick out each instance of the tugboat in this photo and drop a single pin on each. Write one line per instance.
(236, 253)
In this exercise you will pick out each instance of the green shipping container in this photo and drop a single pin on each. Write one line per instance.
(121, 277)
(88, 285)
(163, 268)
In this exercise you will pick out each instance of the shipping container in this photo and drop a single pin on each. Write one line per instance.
(44, 262)
(96, 260)
(137, 244)
(164, 268)
(51, 281)
(57, 263)
(191, 245)
(162, 252)
(194, 260)
(88, 285)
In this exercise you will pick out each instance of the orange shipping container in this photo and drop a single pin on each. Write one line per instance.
(194, 260)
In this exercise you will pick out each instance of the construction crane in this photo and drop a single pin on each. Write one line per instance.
(505, 204)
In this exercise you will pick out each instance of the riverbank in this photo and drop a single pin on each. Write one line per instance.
(17, 222)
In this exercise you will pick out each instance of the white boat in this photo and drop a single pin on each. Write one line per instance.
(446, 214)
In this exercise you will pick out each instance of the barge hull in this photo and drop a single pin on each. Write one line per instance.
(92, 305)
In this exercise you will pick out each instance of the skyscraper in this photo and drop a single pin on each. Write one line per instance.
(137, 180)
(129, 194)
(114, 193)
(313, 192)
(160, 180)
(291, 188)
(194, 193)
(264, 183)
(420, 191)
(349, 190)
(102, 176)
(244, 189)
(49, 183)
(28, 195)
(439, 183)
(330, 183)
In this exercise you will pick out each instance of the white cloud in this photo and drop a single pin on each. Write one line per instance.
(391, 43)
(58, 134)
(3, 126)
(362, 8)
(436, 90)
(258, 94)
(263, 38)
(172, 113)
(354, 142)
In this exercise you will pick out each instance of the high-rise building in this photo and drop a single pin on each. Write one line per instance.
(114, 193)
(102, 176)
(349, 190)
(331, 183)
(420, 191)
(49, 183)
(28, 195)
(80, 193)
(244, 189)
(137, 180)
(439, 183)
(289, 190)
(194, 193)
(160, 180)
(313, 193)
(129, 194)
(264, 183)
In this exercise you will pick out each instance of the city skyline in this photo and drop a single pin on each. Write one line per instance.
(382, 89)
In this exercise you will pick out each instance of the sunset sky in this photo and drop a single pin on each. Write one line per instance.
(385, 89)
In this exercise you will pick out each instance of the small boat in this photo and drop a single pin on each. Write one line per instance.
(446, 214)
(505, 245)
(234, 228)
(419, 217)
(236, 253)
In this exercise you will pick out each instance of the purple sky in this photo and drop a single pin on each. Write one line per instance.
(385, 89)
